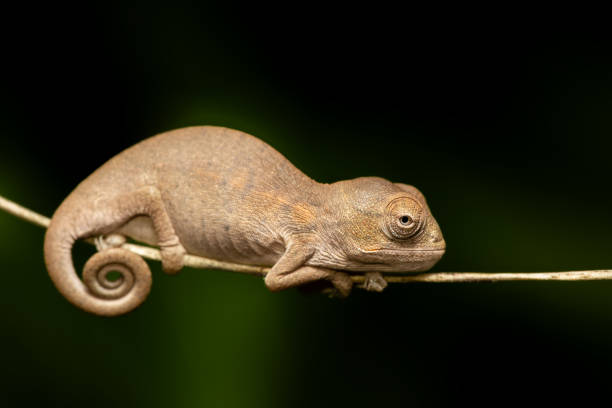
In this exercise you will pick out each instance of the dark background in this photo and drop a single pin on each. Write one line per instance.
(505, 126)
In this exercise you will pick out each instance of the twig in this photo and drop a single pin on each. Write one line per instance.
(24, 213)
(206, 263)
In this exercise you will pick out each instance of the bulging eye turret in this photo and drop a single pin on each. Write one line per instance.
(404, 218)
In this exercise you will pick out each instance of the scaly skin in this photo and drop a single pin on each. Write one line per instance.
(223, 194)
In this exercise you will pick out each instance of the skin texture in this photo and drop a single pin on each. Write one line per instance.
(223, 194)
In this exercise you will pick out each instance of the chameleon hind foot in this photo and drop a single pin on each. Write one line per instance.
(172, 257)
(103, 242)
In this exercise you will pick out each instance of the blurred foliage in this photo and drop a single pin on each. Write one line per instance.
(508, 137)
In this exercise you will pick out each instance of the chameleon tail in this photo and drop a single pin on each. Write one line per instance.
(96, 293)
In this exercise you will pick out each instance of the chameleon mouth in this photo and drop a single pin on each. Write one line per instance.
(402, 251)
(400, 260)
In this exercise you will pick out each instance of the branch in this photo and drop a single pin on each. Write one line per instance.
(206, 263)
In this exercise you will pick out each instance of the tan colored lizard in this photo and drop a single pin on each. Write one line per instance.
(223, 194)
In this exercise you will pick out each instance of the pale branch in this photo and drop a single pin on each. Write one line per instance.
(206, 263)
(24, 213)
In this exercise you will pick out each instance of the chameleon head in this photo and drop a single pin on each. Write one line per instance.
(387, 227)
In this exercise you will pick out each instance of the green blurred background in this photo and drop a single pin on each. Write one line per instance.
(507, 133)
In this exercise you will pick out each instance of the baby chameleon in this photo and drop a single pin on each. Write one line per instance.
(223, 194)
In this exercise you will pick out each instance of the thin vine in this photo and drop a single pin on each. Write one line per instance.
(207, 263)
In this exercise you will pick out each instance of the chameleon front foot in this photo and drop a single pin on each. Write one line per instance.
(342, 284)
(374, 282)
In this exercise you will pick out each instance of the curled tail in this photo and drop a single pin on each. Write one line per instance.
(96, 293)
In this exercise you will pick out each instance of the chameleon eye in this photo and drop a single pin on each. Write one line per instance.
(404, 218)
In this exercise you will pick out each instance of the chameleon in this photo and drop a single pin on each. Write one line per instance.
(221, 193)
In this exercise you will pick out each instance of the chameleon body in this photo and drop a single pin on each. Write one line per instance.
(223, 194)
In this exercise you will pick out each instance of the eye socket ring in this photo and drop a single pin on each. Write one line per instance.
(404, 218)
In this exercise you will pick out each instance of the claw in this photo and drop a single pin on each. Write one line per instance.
(100, 244)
